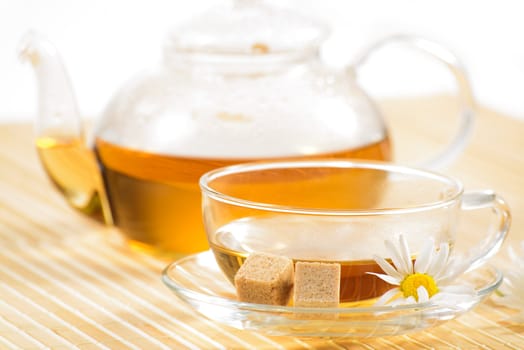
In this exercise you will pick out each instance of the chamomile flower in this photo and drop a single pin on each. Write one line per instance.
(511, 292)
(429, 278)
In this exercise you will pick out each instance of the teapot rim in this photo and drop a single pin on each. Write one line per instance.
(223, 57)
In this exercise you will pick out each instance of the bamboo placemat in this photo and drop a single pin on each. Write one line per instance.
(67, 282)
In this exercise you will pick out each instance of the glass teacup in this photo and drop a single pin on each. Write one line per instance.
(340, 211)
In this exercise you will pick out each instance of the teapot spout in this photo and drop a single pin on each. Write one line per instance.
(57, 107)
(71, 165)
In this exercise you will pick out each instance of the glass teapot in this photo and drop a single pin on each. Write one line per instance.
(242, 82)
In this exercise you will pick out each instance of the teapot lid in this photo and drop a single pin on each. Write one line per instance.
(247, 27)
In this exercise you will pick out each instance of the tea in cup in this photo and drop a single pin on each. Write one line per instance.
(339, 211)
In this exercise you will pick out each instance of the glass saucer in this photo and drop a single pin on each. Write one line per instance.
(198, 281)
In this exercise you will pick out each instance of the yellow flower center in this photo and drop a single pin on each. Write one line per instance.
(410, 284)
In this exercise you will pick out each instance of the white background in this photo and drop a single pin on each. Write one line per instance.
(104, 42)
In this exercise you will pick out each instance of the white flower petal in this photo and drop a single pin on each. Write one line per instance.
(390, 270)
(406, 254)
(424, 258)
(409, 300)
(389, 279)
(422, 294)
(400, 301)
(396, 258)
(386, 297)
(454, 268)
(439, 263)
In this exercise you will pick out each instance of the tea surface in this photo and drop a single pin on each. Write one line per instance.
(351, 244)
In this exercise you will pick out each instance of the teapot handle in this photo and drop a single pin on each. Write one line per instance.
(464, 92)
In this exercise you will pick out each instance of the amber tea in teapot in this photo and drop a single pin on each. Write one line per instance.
(217, 99)
(154, 198)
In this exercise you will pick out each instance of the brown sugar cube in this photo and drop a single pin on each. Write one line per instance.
(317, 284)
(265, 279)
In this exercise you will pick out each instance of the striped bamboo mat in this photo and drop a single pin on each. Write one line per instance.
(67, 282)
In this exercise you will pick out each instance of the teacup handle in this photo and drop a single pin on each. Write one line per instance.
(464, 92)
(499, 230)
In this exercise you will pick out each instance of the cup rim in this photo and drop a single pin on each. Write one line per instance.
(329, 163)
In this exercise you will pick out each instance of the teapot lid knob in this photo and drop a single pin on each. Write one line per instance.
(246, 27)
